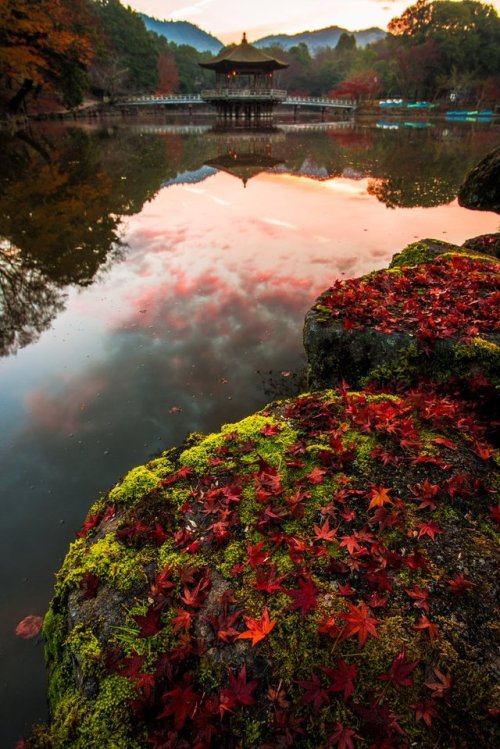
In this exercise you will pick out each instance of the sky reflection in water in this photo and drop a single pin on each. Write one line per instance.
(199, 323)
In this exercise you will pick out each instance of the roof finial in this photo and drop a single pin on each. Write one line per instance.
(244, 40)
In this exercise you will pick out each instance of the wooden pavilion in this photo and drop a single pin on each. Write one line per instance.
(244, 83)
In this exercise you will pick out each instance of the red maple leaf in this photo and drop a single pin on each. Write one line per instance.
(460, 585)
(240, 690)
(494, 513)
(399, 673)
(91, 522)
(424, 623)
(425, 711)
(429, 529)
(182, 620)
(181, 704)
(379, 497)
(150, 623)
(29, 627)
(442, 686)
(146, 682)
(420, 596)
(317, 476)
(341, 677)
(314, 692)
(89, 584)
(195, 597)
(323, 532)
(258, 628)
(256, 554)
(304, 599)
(342, 737)
(359, 622)
(269, 430)
(426, 494)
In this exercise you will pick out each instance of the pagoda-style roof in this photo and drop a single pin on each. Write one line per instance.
(243, 165)
(243, 57)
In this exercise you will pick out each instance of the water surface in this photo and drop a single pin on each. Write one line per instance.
(154, 280)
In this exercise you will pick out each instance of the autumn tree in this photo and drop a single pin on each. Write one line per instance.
(167, 73)
(44, 44)
(127, 55)
(467, 33)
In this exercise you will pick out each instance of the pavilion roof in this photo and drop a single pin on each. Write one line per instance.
(244, 56)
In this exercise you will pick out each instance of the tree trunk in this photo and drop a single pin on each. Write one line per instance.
(18, 99)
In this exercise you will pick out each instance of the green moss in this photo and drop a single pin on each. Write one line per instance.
(234, 553)
(134, 485)
(81, 723)
(86, 649)
(270, 449)
(114, 564)
(57, 657)
(418, 253)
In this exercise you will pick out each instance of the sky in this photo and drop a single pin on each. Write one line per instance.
(227, 19)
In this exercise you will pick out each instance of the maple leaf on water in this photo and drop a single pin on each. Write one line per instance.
(341, 677)
(342, 737)
(429, 529)
(304, 599)
(258, 628)
(150, 623)
(181, 704)
(239, 691)
(379, 497)
(425, 711)
(359, 622)
(29, 627)
(424, 623)
(440, 687)
(314, 692)
(399, 672)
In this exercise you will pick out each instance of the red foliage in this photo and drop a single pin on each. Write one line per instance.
(454, 296)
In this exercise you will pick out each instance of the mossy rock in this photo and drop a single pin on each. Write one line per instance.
(322, 570)
(487, 243)
(432, 316)
(481, 188)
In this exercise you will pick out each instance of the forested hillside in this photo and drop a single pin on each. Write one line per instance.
(54, 53)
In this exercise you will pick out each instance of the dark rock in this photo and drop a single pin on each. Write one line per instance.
(489, 244)
(415, 321)
(481, 189)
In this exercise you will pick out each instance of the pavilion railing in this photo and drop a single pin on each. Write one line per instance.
(244, 93)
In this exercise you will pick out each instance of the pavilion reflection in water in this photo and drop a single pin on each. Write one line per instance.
(244, 158)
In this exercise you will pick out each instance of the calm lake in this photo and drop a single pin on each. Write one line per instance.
(154, 278)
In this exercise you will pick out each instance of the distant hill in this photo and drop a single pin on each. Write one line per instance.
(183, 32)
(322, 38)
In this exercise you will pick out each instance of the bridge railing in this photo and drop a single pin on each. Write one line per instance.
(161, 98)
(243, 93)
(321, 100)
